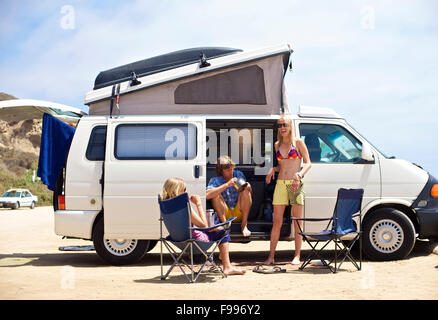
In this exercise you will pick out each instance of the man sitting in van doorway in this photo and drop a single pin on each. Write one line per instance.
(226, 200)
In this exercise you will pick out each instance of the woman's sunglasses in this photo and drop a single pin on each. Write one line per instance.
(279, 125)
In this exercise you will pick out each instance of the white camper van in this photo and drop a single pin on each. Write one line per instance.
(173, 115)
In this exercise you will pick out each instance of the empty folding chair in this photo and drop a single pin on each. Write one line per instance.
(175, 214)
(341, 230)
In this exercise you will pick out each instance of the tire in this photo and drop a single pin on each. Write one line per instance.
(32, 205)
(117, 252)
(152, 244)
(16, 206)
(388, 234)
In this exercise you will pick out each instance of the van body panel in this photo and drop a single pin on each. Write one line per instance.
(75, 224)
(327, 175)
(367, 207)
(402, 179)
(132, 185)
(83, 190)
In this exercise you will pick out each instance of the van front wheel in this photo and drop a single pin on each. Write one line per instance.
(117, 251)
(388, 234)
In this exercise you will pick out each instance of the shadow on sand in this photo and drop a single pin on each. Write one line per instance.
(243, 259)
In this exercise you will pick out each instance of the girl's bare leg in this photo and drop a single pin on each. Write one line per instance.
(275, 232)
(229, 269)
(297, 212)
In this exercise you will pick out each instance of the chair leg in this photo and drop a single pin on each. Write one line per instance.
(161, 257)
(208, 257)
(360, 248)
(176, 261)
(315, 252)
(191, 261)
(346, 253)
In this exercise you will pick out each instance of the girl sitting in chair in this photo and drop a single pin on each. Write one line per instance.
(174, 187)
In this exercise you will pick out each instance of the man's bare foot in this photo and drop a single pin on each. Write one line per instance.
(296, 261)
(246, 232)
(234, 271)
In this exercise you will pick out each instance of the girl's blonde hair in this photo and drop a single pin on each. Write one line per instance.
(172, 187)
(291, 133)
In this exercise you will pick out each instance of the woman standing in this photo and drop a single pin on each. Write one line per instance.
(289, 188)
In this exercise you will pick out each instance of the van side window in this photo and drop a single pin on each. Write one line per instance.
(329, 143)
(96, 144)
(156, 141)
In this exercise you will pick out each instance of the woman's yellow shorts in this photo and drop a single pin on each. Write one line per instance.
(284, 196)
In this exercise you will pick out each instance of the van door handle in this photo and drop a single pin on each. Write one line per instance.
(197, 171)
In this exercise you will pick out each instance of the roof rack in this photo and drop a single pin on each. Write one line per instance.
(317, 112)
(159, 63)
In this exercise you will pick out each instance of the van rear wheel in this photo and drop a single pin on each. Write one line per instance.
(117, 252)
(388, 234)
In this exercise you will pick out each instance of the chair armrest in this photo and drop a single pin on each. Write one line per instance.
(221, 226)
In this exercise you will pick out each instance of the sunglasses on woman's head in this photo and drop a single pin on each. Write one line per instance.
(282, 125)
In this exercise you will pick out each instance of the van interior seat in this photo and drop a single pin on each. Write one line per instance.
(313, 145)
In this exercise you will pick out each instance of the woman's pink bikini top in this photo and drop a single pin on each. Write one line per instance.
(293, 154)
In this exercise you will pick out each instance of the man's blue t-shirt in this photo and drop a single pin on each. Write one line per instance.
(230, 195)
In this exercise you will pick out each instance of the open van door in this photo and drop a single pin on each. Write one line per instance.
(141, 154)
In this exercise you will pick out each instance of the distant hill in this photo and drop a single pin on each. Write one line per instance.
(19, 152)
(5, 96)
(19, 143)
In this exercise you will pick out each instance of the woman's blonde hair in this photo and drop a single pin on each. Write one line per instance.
(172, 187)
(291, 133)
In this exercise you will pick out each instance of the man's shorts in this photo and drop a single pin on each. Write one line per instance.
(284, 196)
(234, 212)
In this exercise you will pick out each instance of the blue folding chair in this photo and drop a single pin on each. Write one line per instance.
(175, 213)
(341, 230)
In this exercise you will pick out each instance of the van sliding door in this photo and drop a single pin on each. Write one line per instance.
(141, 155)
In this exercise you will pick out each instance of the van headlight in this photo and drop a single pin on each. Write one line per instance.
(422, 203)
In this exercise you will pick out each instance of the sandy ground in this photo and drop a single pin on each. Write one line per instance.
(32, 267)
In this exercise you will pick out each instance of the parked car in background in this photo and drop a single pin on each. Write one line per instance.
(16, 198)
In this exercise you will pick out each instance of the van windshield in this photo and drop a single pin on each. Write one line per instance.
(378, 149)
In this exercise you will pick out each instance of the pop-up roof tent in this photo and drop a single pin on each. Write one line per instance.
(195, 81)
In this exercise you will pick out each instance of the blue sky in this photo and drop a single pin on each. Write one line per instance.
(373, 61)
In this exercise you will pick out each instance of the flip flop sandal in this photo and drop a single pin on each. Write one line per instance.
(275, 269)
(214, 269)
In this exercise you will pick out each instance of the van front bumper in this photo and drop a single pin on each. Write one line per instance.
(426, 208)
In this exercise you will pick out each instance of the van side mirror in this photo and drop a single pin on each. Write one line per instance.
(367, 154)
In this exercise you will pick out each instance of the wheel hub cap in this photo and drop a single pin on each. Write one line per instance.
(386, 236)
(120, 247)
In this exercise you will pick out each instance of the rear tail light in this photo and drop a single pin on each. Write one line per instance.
(434, 190)
(61, 202)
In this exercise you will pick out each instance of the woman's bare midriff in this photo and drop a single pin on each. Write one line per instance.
(288, 168)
